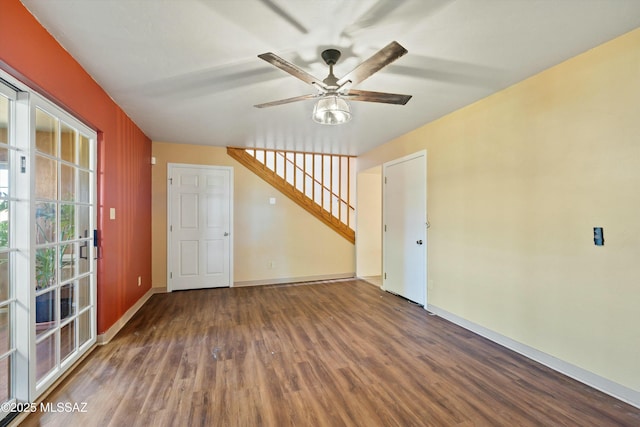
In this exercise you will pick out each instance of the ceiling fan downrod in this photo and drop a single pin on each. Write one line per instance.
(330, 57)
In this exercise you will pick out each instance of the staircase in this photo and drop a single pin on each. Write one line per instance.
(322, 184)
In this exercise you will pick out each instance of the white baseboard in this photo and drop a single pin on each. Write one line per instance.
(372, 280)
(104, 338)
(294, 280)
(605, 385)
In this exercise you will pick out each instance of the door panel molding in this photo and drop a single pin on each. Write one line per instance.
(211, 231)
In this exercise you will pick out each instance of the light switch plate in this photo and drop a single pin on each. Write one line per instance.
(112, 213)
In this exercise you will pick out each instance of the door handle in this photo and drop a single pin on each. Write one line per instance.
(226, 234)
(419, 242)
(84, 246)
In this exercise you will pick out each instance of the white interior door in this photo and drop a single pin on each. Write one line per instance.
(405, 231)
(199, 221)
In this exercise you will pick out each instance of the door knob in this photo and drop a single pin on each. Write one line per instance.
(226, 234)
(419, 242)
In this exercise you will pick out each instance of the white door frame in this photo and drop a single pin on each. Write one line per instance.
(170, 167)
(423, 179)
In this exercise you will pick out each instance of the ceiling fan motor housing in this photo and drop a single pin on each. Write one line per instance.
(330, 56)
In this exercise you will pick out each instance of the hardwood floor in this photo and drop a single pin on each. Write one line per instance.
(323, 354)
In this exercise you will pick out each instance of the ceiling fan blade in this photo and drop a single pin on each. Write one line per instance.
(380, 59)
(286, 101)
(373, 15)
(294, 70)
(397, 12)
(384, 97)
(444, 70)
(284, 15)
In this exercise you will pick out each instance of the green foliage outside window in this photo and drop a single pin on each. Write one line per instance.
(46, 257)
(4, 225)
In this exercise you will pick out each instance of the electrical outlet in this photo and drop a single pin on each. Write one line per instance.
(139, 280)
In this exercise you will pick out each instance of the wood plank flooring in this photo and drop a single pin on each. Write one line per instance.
(324, 354)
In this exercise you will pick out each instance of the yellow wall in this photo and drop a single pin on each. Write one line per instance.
(368, 231)
(516, 183)
(299, 245)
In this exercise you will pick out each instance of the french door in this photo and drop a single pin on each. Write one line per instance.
(63, 215)
(47, 218)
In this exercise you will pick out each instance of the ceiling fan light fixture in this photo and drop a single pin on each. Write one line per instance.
(331, 110)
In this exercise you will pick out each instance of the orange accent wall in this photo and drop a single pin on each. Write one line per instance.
(33, 56)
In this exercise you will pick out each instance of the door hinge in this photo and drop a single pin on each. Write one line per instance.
(23, 164)
(385, 179)
(170, 275)
(385, 276)
(171, 228)
(385, 227)
(170, 181)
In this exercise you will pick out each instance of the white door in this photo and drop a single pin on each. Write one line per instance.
(405, 227)
(199, 248)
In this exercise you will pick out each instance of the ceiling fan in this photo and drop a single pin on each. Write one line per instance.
(332, 92)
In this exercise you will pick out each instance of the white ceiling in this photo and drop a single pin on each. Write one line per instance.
(187, 71)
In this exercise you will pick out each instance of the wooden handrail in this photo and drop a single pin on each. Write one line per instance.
(302, 199)
(305, 173)
(311, 176)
